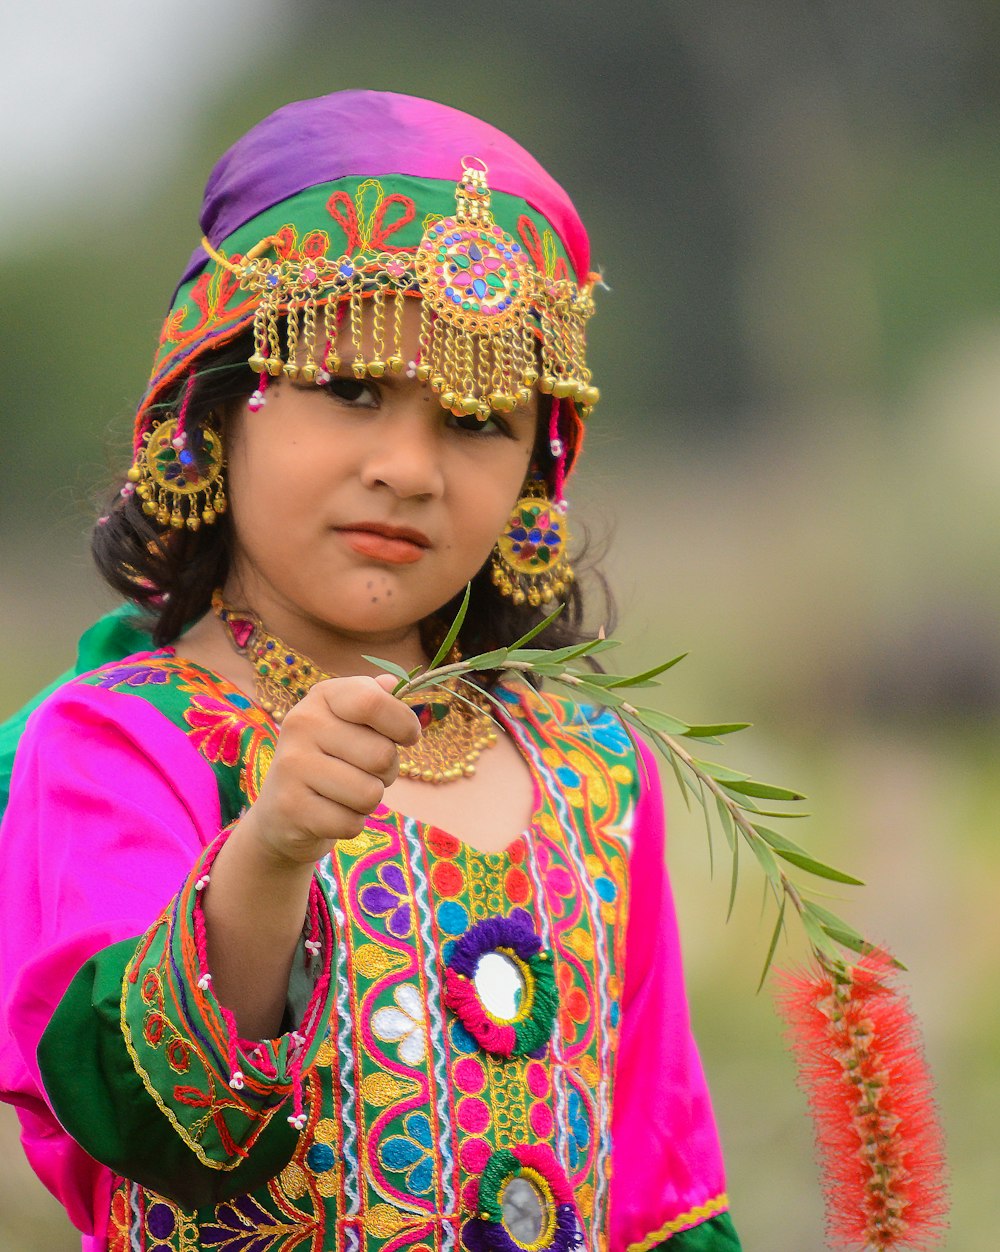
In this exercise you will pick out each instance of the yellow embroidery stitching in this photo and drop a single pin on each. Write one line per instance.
(711, 1208)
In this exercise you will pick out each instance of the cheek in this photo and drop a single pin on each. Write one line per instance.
(484, 507)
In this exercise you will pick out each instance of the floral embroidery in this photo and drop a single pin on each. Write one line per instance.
(216, 728)
(605, 728)
(407, 1105)
(133, 675)
(403, 1025)
(411, 1152)
(389, 897)
(574, 1007)
(243, 1225)
(579, 1130)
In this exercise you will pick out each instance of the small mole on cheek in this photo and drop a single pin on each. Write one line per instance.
(370, 584)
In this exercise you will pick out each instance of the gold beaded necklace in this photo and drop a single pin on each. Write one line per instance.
(455, 730)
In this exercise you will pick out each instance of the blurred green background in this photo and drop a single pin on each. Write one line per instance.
(796, 457)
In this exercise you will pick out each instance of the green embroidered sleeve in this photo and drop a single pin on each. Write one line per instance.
(177, 1101)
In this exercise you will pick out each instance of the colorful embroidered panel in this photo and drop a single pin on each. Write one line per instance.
(462, 1094)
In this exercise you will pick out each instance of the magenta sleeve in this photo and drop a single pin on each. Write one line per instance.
(97, 838)
(667, 1171)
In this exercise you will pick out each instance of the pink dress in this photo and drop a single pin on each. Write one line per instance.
(404, 1106)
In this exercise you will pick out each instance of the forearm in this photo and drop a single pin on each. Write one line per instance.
(254, 908)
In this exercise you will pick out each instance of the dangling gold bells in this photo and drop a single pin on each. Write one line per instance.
(491, 324)
(456, 726)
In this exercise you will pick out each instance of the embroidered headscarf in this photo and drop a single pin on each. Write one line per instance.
(365, 195)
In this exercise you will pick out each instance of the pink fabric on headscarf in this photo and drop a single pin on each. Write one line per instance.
(666, 1159)
(371, 133)
(130, 837)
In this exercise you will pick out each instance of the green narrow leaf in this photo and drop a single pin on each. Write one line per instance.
(605, 680)
(390, 667)
(721, 728)
(839, 930)
(826, 918)
(778, 926)
(768, 864)
(453, 629)
(674, 765)
(741, 801)
(848, 939)
(653, 719)
(720, 773)
(818, 868)
(708, 829)
(777, 840)
(598, 694)
(487, 660)
(726, 821)
(735, 878)
(642, 679)
(764, 791)
(536, 630)
(572, 651)
(528, 656)
(820, 940)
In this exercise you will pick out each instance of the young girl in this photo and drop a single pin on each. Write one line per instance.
(288, 962)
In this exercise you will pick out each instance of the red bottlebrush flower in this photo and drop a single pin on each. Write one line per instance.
(862, 1067)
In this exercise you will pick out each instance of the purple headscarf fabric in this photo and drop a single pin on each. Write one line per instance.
(372, 133)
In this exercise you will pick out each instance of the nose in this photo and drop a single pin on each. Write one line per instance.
(405, 454)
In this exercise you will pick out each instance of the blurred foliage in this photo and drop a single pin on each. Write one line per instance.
(794, 205)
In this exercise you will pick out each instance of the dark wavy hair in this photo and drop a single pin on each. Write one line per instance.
(170, 574)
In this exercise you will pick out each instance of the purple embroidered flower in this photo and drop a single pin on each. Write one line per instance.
(388, 898)
(243, 1225)
(134, 675)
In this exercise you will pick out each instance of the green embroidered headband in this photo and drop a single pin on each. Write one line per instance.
(499, 311)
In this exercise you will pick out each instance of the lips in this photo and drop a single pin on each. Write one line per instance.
(395, 545)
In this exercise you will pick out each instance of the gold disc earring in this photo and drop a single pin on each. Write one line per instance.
(178, 475)
(530, 560)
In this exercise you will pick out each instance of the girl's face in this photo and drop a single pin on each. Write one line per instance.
(362, 506)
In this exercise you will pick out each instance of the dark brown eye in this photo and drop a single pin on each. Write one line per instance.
(352, 391)
(475, 425)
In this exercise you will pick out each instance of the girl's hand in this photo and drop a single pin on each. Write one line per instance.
(337, 752)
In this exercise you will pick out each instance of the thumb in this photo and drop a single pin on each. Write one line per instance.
(386, 681)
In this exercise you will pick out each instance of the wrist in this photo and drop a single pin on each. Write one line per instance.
(269, 855)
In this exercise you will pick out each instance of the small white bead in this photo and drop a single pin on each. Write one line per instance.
(298, 1038)
(236, 1082)
(322, 377)
(314, 946)
(179, 441)
(556, 445)
(297, 1122)
(256, 401)
(203, 982)
(411, 369)
(201, 883)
